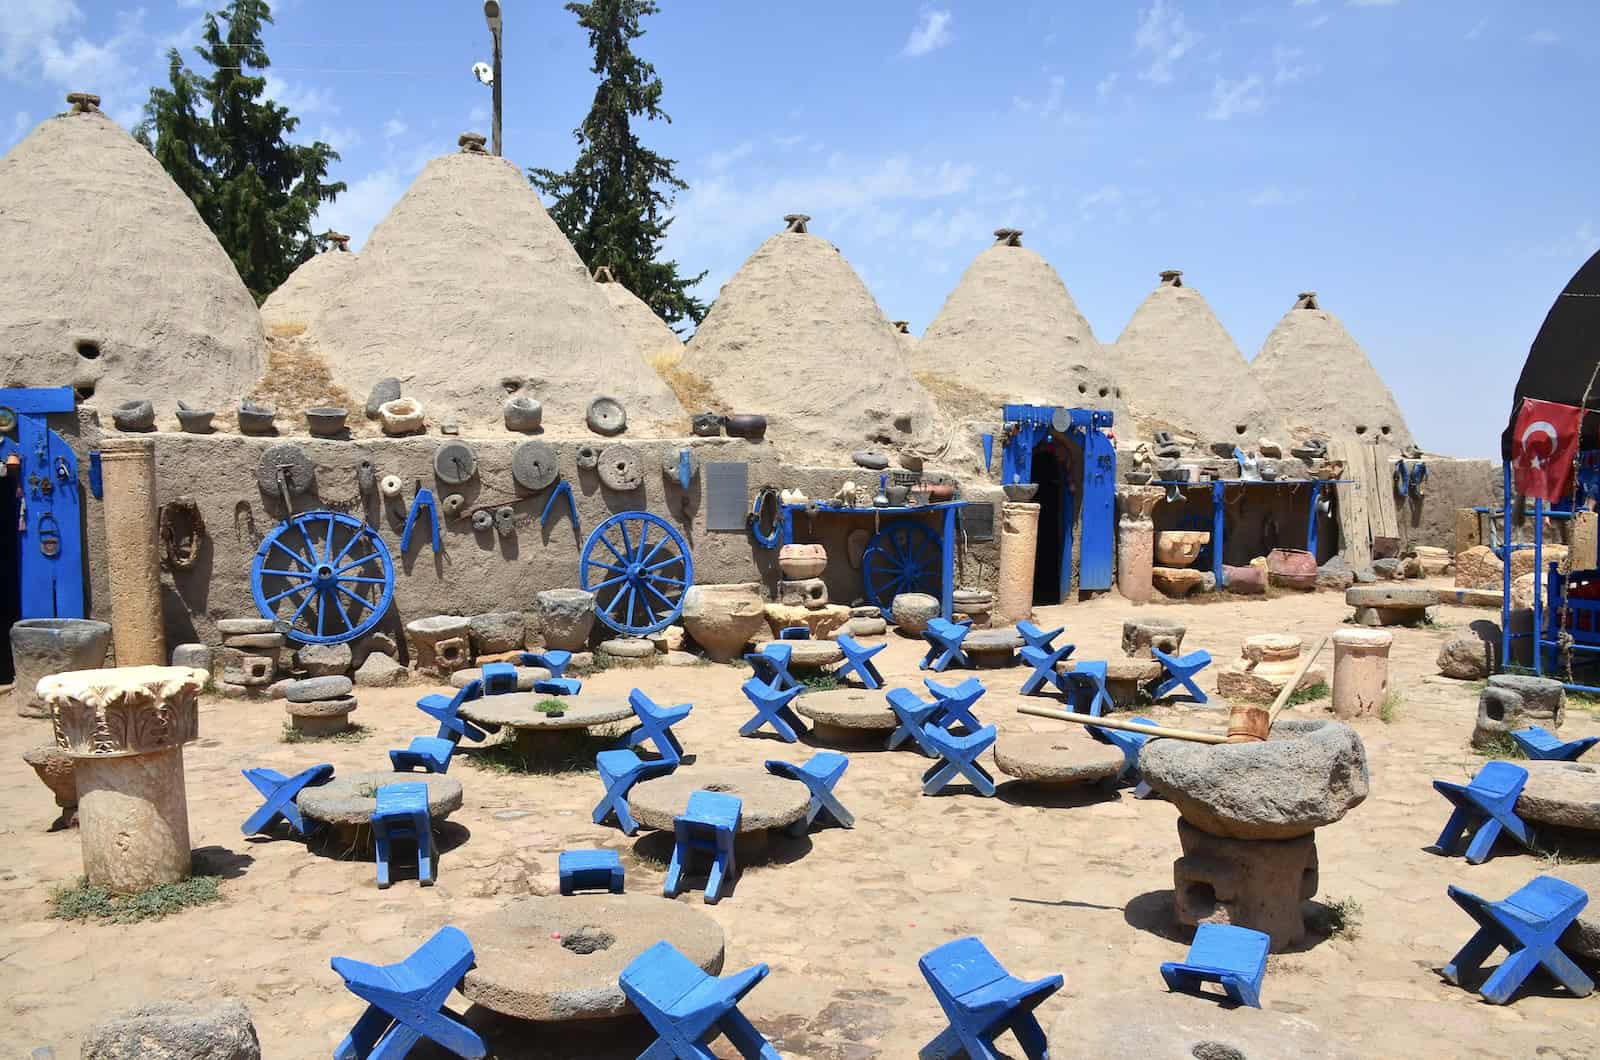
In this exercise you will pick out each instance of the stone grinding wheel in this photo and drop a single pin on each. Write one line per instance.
(620, 468)
(607, 416)
(534, 465)
(505, 521)
(298, 471)
(482, 519)
(454, 463)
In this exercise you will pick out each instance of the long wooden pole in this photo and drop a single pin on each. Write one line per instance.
(1294, 682)
(1126, 726)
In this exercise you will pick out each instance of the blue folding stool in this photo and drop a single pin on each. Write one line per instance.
(955, 702)
(958, 756)
(1178, 672)
(1485, 808)
(981, 1001)
(655, 725)
(1529, 924)
(708, 825)
(944, 644)
(1034, 637)
(1130, 744)
(1045, 663)
(402, 814)
(281, 792)
(499, 678)
(819, 774)
(431, 754)
(770, 666)
(858, 662)
(688, 1008)
(589, 870)
(553, 659)
(772, 708)
(619, 771)
(913, 713)
(1542, 745)
(446, 710)
(1086, 681)
(405, 1001)
(1235, 957)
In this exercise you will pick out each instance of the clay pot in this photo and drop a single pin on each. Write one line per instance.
(566, 617)
(1292, 568)
(326, 422)
(44, 646)
(940, 492)
(745, 425)
(802, 561)
(722, 619)
(897, 495)
(1180, 548)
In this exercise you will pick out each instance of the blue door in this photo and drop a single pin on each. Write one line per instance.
(1098, 520)
(41, 475)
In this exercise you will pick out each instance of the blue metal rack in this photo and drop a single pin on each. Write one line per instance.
(946, 543)
(1218, 486)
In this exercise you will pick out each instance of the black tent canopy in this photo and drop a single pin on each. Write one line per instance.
(1564, 355)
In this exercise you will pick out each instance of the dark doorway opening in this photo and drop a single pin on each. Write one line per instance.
(10, 574)
(1050, 472)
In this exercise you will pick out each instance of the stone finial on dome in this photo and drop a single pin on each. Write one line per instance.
(796, 222)
(603, 275)
(83, 102)
(471, 143)
(1172, 277)
(902, 326)
(339, 240)
(1307, 300)
(1008, 237)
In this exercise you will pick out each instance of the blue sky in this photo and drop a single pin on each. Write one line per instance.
(1423, 164)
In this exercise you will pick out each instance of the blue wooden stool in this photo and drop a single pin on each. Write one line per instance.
(1542, 745)
(1529, 925)
(554, 660)
(1178, 672)
(1130, 744)
(402, 814)
(795, 633)
(819, 774)
(707, 826)
(913, 713)
(280, 792)
(1034, 637)
(958, 755)
(558, 686)
(858, 662)
(1486, 808)
(1235, 957)
(447, 711)
(1044, 662)
(405, 1001)
(944, 644)
(688, 1008)
(655, 725)
(498, 678)
(955, 702)
(619, 772)
(589, 870)
(772, 708)
(981, 1001)
(770, 666)
(1085, 688)
(427, 753)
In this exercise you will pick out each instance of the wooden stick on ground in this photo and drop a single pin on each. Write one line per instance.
(1294, 683)
(1127, 726)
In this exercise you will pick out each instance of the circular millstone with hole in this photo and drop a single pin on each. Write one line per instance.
(1056, 758)
(767, 801)
(351, 800)
(848, 708)
(554, 959)
(1564, 794)
(813, 654)
(519, 711)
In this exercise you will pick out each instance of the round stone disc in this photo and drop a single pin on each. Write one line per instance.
(298, 471)
(1056, 757)
(454, 463)
(768, 801)
(607, 416)
(620, 468)
(1564, 794)
(848, 708)
(588, 457)
(554, 959)
(352, 799)
(516, 709)
(535, 465)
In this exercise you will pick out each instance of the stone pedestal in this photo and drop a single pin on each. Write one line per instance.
(126, 729)
(1267, 662)
(1019, 547)
(1515, 701)
(128, 469)
(1252, 883)
(1136, 541)
(1139, 635)
(1360, 671)
(440, 645)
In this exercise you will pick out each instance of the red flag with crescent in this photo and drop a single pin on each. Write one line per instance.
(1545, 441)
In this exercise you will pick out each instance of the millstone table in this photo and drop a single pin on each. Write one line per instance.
(125, 729)
(541, 735)
(347, 802)
(768, 801)
(556, 959)
(848, 715)
(1056, 758)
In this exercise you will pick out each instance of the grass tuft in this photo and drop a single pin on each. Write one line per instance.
(1499, 745)
(1339, 918)
(818, 680)
(84, 901)
(354, 734)
(1390, 708)
(1309, 694)
(550, 706)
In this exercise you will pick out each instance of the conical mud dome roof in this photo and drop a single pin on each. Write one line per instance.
(1010, 332)
(1318, 377)
(301, 297)
(646, 334)
(1191, 377)
(467, 291)
(797, 336)
(110, 281)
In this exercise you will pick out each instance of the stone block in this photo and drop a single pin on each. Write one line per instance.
(323, 660)
(439, 645)
(823, 622)
(380, 671)
(315, 689)
(1253, 883)
(255, 641)
(1140, 634)
(172, 1030)
(245, 669)
(1466, 658)
(913, 611)
(195, 655)
(804, 592)
(234, 627)
(1176, 581)
(495, 631)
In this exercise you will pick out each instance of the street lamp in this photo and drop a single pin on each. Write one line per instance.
(491, 15)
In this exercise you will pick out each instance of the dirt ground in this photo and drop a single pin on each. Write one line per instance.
(1079, 884)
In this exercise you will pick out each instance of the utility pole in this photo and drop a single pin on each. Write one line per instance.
(491, 15)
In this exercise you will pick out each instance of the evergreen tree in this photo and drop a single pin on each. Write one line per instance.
(612, 203)
(257, 190)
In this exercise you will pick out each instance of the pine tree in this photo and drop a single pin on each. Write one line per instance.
(612, 204)
(256, 189)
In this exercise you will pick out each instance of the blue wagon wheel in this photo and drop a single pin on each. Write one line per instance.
(324, 577)
(638, 583)
(904, 557)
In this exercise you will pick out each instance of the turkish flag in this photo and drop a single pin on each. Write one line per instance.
(1542, 447)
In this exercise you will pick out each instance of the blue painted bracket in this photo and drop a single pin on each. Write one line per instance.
(423, 499)
(96, 480)
(563, 489)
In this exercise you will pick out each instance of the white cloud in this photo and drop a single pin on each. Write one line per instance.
(1318, 22)
(718, 161)
(1104, 199)
(26, 26)
(341, 139)
(1287, 68)
(1477, 31)
(1273, 195)
(1050, 105)
(299, 99)
(1543, 36)
(1106, 86)
(931, 32)
(1232, 98)
(363, 204)
(393, 127)
(1163, 37)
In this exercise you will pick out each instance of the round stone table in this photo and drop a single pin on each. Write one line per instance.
(847, 715)
(991, 649)
(1056, 757)
(813, 654)
(554, 959)
(125, 729)
(539, 735)
(1563, 794)
(1378, 605)
(767, 801)
(347, 802)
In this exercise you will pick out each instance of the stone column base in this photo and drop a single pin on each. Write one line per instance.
(133, 817)
(1253, 883)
